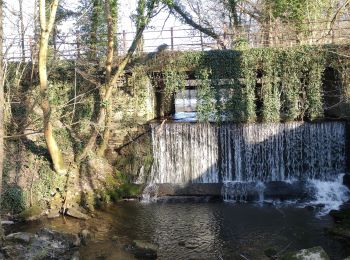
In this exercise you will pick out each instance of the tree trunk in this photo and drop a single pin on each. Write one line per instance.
(111, 23)
(101, 118)
(94, 27)
(20, 2)
(46, 28)
(2, 105)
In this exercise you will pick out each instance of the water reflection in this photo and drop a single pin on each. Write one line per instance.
(202, 230)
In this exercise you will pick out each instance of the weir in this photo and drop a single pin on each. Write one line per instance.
(240, 162)
(209, 153)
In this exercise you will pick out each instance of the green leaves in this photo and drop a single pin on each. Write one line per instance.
(266, 84)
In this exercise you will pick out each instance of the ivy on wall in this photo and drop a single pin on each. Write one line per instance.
(248, 85)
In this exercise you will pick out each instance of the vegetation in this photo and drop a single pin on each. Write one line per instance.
(60, 112)
(266, 84)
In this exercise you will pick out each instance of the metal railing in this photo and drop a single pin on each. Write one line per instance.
(75, 45)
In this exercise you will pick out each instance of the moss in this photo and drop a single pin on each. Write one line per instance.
(30, 212)
(129, 190)
(13, 199)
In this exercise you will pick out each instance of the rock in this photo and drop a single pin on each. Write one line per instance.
(20, 237)
(46, 244)
(65, 239)
(314, 253)
(13, 251)
(53, 214)
(85, 236)
(145, 245)
(143, 249)
(7, 222)
(77, 214)
(76, 256)
(31, 214)
(346, 180)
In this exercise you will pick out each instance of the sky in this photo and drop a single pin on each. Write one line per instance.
(153, 36)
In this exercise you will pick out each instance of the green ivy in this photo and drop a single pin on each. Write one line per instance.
(286, 82)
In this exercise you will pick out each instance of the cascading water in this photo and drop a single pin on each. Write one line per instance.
(242, 156)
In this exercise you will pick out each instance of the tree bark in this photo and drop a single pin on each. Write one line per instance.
(2, 105)
(111, 26)
(46, 29)
(94, 27)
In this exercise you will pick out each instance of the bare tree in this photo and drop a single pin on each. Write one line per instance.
(108, 87)
(2, 104)
(46, 26)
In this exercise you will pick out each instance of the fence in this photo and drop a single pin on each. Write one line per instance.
(73, 46)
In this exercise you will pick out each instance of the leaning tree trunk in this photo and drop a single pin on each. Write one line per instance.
(46, 28)
(101, 118)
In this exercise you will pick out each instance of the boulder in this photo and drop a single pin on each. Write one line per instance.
(20, 237)
(308, 254)
(75, 213)
(46, 244)
(53, 213)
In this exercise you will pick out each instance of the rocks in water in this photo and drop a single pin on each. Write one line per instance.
(85, 236)
(143, 249)
(13, 251)
(66, 239)
(46, 244)
(308, 254)
(20, 237)
(75, 213)
(145, 245)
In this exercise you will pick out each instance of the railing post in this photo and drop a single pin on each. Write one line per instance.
(124, 41)
(172, 38)
(202, 44)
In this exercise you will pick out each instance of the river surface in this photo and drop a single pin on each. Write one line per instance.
(200, 230)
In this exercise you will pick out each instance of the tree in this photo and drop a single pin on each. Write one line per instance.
(2, 105)
(108, 86)
(46, 26)
(111, 20)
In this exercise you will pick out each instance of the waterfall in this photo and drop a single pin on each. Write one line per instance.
(208, 153)
(245, 157)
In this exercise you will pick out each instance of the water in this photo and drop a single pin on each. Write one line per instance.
(200, 230)
(208, 153)
(245, 157)
(329, 194)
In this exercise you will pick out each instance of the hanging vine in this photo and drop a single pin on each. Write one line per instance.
(267, 84)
